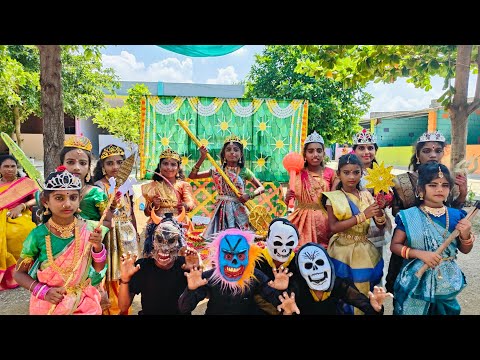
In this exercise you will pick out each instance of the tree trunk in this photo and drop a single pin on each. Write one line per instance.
(52, 106)
(459, 109)
(16, 116)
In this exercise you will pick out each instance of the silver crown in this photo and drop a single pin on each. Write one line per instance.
(314, 138)
(364, 137)
(431, 136)
(63, 181)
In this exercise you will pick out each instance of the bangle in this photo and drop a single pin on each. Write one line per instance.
(380, 220)
(24, 207)
(406, 253)
(37, 288)
(122, 282)
(30, 288)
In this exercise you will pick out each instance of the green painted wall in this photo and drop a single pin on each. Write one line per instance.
(400, 131)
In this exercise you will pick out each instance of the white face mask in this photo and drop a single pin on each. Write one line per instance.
(282, 241)
(315, 267)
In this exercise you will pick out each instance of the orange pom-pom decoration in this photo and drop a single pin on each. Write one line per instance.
(293, 162)
(61, 168)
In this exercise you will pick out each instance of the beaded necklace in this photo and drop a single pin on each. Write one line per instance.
(438, 227)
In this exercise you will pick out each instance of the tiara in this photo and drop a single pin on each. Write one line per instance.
(364, 137)
(232, 138)
(111, 150)
(63, 180)
(431, 136)
(169, 153)
(314, 138)
(80, 142)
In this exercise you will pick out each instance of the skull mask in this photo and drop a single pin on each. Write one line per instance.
(167, 240)
(316, 267)
(282, 240)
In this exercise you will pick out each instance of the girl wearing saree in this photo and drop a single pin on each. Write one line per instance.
(230, 211)
(420, 231)
(15, 217)
(122, 237)
(63, 258)
(349, 211)
(309, 217)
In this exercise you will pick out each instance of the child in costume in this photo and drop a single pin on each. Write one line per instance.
(159, 276)
(231, 285)
(420, 231)
(63, 258)
(349, 210)
(122, 237)
(230, 210)
(318, 291)
(169, 193)
(309, 216)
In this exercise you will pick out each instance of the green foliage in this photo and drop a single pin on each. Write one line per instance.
(359, 64)
(334, 111)
(124, 122)
(84, 80)
(19, 84)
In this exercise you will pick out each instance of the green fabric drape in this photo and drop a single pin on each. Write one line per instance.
(202, 50)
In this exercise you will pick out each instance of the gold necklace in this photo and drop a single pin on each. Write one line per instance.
(438, 227)
(76, 253)
(65, 231)
(437, 212)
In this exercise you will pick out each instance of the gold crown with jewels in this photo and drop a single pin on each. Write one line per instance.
(80, 142)
(232, 138)
(170, 154)
(111, 150)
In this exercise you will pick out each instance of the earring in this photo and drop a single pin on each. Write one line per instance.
(418, 161)
(420, 196)
(47, 211)
(87, 178)
(103, 171)
(78, 211)
(240, 161)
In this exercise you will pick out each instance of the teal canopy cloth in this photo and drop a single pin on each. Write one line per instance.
(202, 50)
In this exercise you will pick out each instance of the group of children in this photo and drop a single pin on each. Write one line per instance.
(326, 258)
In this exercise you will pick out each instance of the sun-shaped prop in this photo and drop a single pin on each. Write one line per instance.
(379, 178)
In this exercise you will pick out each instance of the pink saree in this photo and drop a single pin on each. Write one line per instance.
(82, 298)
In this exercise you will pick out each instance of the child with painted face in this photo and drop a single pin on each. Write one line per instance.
(349, 210)
(318, 291)
(63, 258)
(278, 254)
(229, 210)
(234, 281)
(159, 276)
(420, 231)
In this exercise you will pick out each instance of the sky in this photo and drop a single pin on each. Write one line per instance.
(152, 63)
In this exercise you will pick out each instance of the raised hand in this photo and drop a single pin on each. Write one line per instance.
(244, 198)
(194, 279)
(127, 266)
(373, 210)
(96, 239)
(288, 304)
(192, 258)
(282, 278)
(203, 152)
(289, 195)
(378, 297)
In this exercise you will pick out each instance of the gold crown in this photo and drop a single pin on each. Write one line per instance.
(111, 150)
(169, 153)
(80, 142)
(233, 138)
